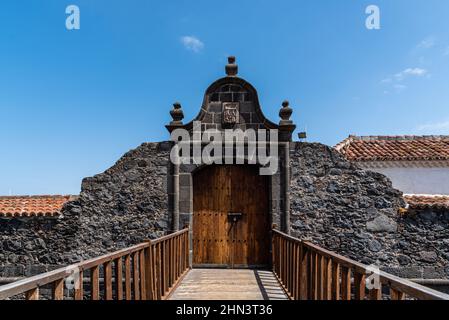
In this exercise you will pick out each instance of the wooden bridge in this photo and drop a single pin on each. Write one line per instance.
(160, 269)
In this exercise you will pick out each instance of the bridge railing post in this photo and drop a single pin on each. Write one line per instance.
(189, 246)
(149, 274)
(303, 273)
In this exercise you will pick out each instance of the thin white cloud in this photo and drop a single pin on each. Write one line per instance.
(435, 128)
(192, 43)
(396, 81)
(427, 43)
(410, 72)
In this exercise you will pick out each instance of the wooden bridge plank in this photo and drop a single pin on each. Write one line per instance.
(229, 284)
(306, 270)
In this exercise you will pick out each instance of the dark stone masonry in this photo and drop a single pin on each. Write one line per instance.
(333, 203)
(356, 213)
(315, 195)
(122, 206)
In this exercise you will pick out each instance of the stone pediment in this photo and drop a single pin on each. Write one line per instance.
(231, 103)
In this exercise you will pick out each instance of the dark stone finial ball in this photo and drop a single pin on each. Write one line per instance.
(177, 105)
(285, 104)
(231, 59)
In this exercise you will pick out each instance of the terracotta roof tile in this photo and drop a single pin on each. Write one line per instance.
(420, 202)
(27, 206)
(395, 148)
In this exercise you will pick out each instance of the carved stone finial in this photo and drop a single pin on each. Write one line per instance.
(286, 126)
(177, 114)
(285, 114)
(231, 67)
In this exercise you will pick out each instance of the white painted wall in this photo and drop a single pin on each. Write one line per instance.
(418, 180)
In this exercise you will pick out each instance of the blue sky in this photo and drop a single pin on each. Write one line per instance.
(72, 102)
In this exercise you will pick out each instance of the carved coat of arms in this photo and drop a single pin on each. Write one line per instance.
(230, 112)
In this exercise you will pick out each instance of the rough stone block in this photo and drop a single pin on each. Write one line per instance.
(215, 107)
(247, 107)
(185, 180)
(186, 206)
(245, 117)
(226, 97)
(185, 193)
(382, 224)
(218, 118)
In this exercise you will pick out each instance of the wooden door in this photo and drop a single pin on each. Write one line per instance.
(218, 240)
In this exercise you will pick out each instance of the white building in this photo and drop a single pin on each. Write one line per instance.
(416, 165)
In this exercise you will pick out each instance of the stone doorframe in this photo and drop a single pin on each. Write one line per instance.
(180, 191)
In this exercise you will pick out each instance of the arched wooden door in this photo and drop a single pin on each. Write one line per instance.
(231, 224)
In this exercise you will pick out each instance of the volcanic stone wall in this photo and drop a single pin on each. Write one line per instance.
(423, 246)
(125, 205)
(356, 213)
(23, 245)
(333, 203)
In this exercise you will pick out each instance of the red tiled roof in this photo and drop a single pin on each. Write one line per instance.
(395, 148)
(27, 206)
(420, 202)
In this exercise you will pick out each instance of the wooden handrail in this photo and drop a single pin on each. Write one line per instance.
(169, 236)
(309, 272)
(142, 272)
